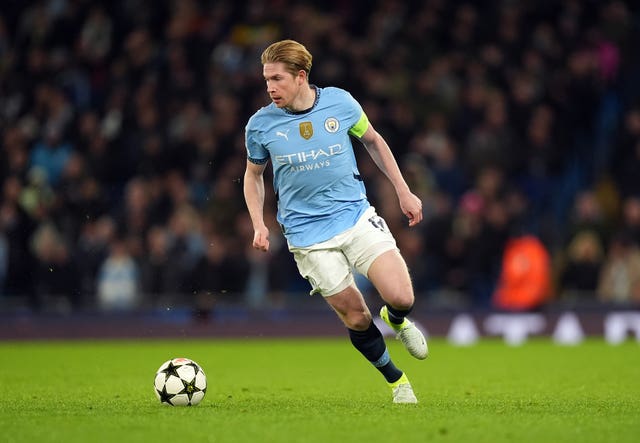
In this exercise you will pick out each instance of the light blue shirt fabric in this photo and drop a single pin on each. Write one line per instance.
(315, 176)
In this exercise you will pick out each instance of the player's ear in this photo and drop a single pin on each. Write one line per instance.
(302, 76)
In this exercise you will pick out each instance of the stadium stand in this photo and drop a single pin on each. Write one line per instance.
(122, 145)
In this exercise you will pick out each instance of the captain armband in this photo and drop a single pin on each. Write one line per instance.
(360, 127)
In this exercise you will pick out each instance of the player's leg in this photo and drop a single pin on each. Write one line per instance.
(373, 251)
(365, 336)
(390, 276)
(330, 275)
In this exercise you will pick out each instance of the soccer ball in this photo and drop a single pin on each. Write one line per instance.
(180, 382)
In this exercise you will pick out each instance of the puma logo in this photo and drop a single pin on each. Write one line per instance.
(283, 134)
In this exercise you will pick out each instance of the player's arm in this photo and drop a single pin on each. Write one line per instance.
(381, 154)
(254, 198)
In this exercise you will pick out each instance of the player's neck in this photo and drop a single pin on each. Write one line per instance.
(305, 99)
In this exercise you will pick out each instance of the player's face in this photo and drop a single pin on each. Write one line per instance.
(282, 86)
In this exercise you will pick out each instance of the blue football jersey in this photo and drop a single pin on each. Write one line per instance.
(315, 176)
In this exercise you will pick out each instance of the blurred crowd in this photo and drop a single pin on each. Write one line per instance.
(122, 146)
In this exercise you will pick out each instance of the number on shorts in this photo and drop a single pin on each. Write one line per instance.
(379, 223)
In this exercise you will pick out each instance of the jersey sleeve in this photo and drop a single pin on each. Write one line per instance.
(256, 153)
(360, 120)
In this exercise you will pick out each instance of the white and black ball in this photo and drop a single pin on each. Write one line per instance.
(180, 382)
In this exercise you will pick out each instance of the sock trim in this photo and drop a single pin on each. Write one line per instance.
(383, 360)
(397, 314)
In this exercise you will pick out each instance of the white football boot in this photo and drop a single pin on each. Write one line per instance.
(408, 334)
(402, 391)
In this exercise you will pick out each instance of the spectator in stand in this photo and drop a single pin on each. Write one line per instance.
(14, 156)
(51, 155)
(587, 214)
(136, 212)
(486, 252)
(440, 257)
(619, 281)
(93, 244)
(579, 274)
(118, 279)
(37, 198)
(186, 244)
(17, 227)
(160, 274)
(55, 271)
(549, 93)
(626, 157)
(170, 255)
(467, 225)
(219, 275)
(80, 197)
(411, 243)
(541, 162)
(490, 144)
(525, 277)
(441, 154)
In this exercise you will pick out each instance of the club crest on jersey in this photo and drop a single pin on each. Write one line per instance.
(331, 124)
(306, 130)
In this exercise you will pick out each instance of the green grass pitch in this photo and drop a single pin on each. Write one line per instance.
(320, 390)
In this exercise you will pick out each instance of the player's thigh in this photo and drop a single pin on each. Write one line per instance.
(390, 276)
(350, 306)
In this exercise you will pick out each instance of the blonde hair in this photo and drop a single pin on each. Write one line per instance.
(292, 54)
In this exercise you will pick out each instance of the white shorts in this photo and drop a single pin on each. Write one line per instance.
(329, 265)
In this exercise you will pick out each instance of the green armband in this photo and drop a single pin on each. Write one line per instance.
(360, 127)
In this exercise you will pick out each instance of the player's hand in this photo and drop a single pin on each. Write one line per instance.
(411, 206)
(261, 239)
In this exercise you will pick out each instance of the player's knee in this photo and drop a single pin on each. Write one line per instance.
(403, 302)
(358, 320)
